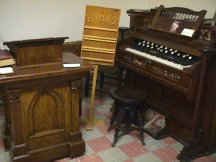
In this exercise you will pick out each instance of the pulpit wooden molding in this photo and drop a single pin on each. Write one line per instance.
(99, 44)
(37, 52)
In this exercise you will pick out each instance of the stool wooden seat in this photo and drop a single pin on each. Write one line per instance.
(127, 111)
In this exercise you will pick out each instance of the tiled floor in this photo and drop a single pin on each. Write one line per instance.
(128, 147)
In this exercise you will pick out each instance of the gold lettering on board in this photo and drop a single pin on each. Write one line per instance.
(93, 17)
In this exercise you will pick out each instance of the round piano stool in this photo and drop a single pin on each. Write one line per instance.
(127, 111)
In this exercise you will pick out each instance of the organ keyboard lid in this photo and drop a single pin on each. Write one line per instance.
(177, 20)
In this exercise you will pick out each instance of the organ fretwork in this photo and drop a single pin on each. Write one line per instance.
(171, 55)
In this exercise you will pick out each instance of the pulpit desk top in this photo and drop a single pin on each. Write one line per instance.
(25, 74)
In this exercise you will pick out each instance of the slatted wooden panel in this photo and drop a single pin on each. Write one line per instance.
(178, 20)
(100, 35)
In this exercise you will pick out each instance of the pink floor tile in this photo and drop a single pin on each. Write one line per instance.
(135, 133)
(167, 154)
(63, 160)
(103, 129)
(99, 144)
(133, 149)
(88, 158)
(98, 101)
(169, 140)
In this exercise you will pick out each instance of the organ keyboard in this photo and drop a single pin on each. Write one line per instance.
(176, 70)
(165, 55)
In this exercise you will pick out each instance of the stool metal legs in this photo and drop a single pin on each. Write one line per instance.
(119, 124)
(126, 117)
(113, 118)
(141, 126)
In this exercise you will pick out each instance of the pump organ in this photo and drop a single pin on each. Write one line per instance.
(176, 71)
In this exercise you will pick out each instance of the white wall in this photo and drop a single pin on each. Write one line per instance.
(30, 19)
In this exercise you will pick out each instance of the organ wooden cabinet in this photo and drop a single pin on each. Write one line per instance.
(42, 103)
(176, 71)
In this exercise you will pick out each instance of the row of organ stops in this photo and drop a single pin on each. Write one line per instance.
(165, 53)
(180, 16)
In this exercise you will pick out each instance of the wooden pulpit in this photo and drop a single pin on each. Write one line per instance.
(42, 102)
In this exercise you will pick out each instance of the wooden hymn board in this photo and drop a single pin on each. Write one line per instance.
(99, 43)
(100, 35)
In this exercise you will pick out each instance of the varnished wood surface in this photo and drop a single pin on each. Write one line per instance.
(42, 108)
(140, 18)
(184, 18)
(33, 52)
(100, 35)
(186, 101)
(73, 46)
(46, 71)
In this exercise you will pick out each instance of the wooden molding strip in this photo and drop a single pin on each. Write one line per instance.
(98, 49)
(101, 63)
(100, 40)
(97, 28)
(96, 59)
(103, 52)
(98, 37)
